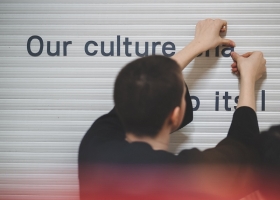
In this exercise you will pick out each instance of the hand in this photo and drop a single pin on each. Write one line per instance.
(207, 34)
(249, 65)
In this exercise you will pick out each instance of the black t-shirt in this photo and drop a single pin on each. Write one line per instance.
(104, 143)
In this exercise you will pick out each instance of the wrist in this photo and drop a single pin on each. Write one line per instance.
(197, 46)
(187, 54)
(247, 93)
(247, 78)
(247, 85)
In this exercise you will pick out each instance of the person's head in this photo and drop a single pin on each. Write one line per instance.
(148, 93)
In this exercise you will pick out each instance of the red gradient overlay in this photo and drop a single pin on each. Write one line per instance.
(151, 182)
(163, 182)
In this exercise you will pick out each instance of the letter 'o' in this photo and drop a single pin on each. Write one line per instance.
(41, 45)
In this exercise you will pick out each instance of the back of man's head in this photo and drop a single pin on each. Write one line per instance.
(146, 91)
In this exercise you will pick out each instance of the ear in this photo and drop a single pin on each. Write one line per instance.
(174, 118)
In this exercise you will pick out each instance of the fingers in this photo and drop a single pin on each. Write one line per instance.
(237, 73)
(234, 64)
(246, 55)
(224, 22)
(234, 68)
(228, 42)
(223, 25)
(254, 63)
(208, 32)
(235, 56)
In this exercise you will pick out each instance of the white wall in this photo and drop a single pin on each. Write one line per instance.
(47, 103)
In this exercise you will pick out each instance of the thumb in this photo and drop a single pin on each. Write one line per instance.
(228, 42)
(235, 56)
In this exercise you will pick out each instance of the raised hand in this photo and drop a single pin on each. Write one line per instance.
(249, 65)
(207, 33)
(207, 36)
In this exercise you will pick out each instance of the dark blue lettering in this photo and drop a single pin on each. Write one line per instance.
(29, 44)
(126, 43)
(172, 48)
(207, 53)
(118, 45)
(263, 100)
(225, 54)
(154, 45)
(65, 47)
(197, 102)
(86, 48)
(56, 53)
(217, 102)
(226, 98)
(217, 50)
(146, 52)
(236, 101)
(111, 52)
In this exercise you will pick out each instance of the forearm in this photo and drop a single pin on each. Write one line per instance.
(247, 93)
(188, 53)
(251, 67)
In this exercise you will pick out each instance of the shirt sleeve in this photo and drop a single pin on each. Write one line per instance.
(239, 147)
(245, 127)
(235, 157)
(107, 127)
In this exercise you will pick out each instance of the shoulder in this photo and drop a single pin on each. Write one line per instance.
(122, 152)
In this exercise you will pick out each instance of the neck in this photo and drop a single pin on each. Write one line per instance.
(159, 142)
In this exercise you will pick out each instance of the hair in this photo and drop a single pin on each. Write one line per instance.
(146, 91)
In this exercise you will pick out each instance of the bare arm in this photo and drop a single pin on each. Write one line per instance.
(207, 36)
(251, 67)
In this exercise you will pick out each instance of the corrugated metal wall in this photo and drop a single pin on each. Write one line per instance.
(48, 102)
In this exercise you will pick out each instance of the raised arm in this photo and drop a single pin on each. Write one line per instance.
(250, 66)
(207, 36)
(238, 152)
(241, 143)
(244, 127)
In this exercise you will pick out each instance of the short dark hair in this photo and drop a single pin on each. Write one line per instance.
(146, 91)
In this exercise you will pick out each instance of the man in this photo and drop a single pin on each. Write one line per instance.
(151, 101)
